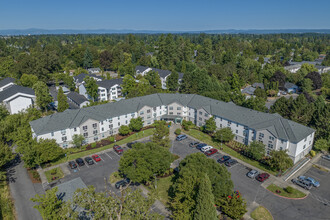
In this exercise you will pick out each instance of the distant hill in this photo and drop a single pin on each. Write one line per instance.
(36, 31)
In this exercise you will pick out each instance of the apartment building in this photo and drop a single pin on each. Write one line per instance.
(101, 121)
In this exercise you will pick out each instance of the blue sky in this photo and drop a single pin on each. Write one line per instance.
(182, 15)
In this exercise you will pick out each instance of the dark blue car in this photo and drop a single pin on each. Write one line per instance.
(199, 146)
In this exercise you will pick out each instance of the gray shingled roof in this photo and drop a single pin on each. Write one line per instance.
(14, 89)
(66, 190)
(140, 68)
(162, 73)
(80, 78)
(77, 98)
(6, 81)
(260, 85)
(278, 126)
(109, 83)
(289, 85)
(249, 90)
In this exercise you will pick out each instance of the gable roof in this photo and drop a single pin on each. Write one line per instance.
(260, 85)
(161, 73)
(6, 81)
(109, 83)
(141, 68)
(248, 90)
(14, 89)
(282, 128)
(66, 190)
(289, 85)
(80, 78)
(77, 98)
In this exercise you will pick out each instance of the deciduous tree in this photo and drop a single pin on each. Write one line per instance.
(62, 101)
(91, 87)
(280, 160)
(210, 125)
(224, 134)
(78, 140)
(43, 97)
(136, 124)
(257, 150)
(124, 130)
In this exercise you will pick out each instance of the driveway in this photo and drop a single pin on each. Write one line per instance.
(22, 190)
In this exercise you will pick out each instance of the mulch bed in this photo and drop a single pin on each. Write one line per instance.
(34, 180)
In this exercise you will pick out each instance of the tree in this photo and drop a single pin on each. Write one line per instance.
(42, 92)
(210, 125)
(172, 81)
(28, 80)
(91, 87)
(306, 85)
(322, 145)
(78, 140)
(280, 78)
(6, 155)
(161, 133)
(124, 130)
(62, 101)
(316, 79)
(261, 93)
(224, 135)
(233, 206)
(106, 59)
(257, 149)
(129, 86)
(205, 208)
(136, 124)
(280, 160)
(185, 187)
(49, 205)
(154, 79)
(88, 59)
(235, 83)
(3, 112)
(142, 162)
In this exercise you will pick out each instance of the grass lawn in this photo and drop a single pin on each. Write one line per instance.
(261, 213)
(56, 172)
(295, 194)
(163, 185)
(6, 203)
(208, 140)
(131, 138)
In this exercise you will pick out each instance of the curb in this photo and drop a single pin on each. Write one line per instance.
(287, 197)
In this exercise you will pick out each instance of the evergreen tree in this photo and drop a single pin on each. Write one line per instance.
(172, 81)
(210, 125)
(62, 101)
(129, 86)
(43, 97)
(88, 59)
(205, 206)
(91, 87)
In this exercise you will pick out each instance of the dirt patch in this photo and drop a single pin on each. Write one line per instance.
(34, 176)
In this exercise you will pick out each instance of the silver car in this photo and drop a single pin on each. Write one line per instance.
(327, 157)
(252, 173)
(303, 183)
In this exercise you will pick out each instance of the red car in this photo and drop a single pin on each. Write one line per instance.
(211, 152)
(96, 158)
(118, 149)
(262, 177)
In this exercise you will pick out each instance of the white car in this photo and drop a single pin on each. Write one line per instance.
(206, 148)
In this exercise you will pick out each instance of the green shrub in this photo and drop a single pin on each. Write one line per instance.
(93, 145)
(312, 153)
(289, 189)
(35, 175)
(177, 131)
(112, 139)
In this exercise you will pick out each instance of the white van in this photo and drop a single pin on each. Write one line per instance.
(206, 148)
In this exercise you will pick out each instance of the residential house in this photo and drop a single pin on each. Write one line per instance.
(94, 70)
(293, 68)
(258, 85)
(17, 98)
(78, 100)
(79, 79)
(248, 91)
(163, 74)
(322, 69)
(290, 87)
(6, 82)
(101, 121)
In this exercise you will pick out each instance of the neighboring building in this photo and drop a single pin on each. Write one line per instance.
(290, 87)
(109, 89)
(6, 82)
(258, 85)
(248, 91)
(322, 69)
(101, 121)
(77, 99)
(17, 98)
(79, 79)
(293, 68)
(163, 74)
(94, 70)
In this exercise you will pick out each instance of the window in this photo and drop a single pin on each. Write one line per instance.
(171, 113)
(95, 125)
(229, 122)
(200, 113)
(304, 146)
(220, 119)
(236, 125)
(101, 122)
(118, 123)
(178, 108)
(148, 111)
(206, 115)
(178, 113)
(235, 137)
(141, 112)
(110, 120)
(270, 145)
(118, 117)
(236, 131)
(281, 148)
(271, 138)
(261, 135)
(132, 115)
(113, 88)
(96, 138)
(170, 108)
(85, 134)
(102, 129)
(52, 134)
(75, 129)
(199, 124)
(200, 119)
(305, 139)
(95, 132)
(155, 108)
(110, 132)
(125, 116)
(310, 142)
(220, 125)
(126, 122)
(63, 132)
(244, 133)
(64, 138)
(111, 126)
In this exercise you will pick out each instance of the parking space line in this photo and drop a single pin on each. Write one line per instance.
(101, 158)
(86, 165)
(108, 155)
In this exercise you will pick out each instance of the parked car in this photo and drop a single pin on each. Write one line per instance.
(223, 159)
(303, 183)
(122, 183)
(96, 158)
(181, 137)
(199, 146)
(262, 177)
(230, 162)
(252, 174)
(129, 145)
(193, 144)
(89, 160)
(211, 152)
(80, 162)
(326, 157)
(72, 165)
(206, 148)
(118, 149)
(310, 179)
